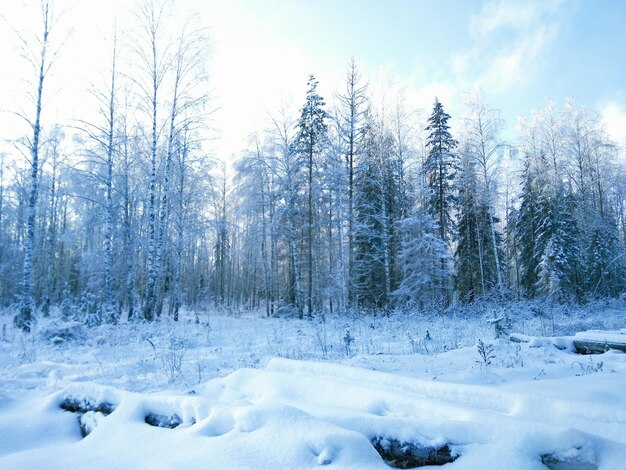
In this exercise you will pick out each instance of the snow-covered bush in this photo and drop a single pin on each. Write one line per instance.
(66, 332)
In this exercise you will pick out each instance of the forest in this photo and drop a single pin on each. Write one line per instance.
(226, 242)
(349, 202)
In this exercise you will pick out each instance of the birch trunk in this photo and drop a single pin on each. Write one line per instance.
(25, 318)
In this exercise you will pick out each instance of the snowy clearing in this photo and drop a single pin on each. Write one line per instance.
(250, 392)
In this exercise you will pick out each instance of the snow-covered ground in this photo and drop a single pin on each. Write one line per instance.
(244, 391)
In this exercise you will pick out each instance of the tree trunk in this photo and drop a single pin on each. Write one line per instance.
(25, 317)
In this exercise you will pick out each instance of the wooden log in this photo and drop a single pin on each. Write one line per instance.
(559, 342)
(519, 338)
(598, 342)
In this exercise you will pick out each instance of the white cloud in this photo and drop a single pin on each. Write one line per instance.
(509, 41)
(513, 66)
(614, 117)
(511, 15)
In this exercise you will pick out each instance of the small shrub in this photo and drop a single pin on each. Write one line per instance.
(173, 358)
(514, 358)
(347, 341)
(70, 332)
(485, 352)
(589, 368)
(321, 337)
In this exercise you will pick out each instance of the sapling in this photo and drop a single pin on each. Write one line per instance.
(485, 351)
(515, 359)
(347, 341)
(414, 344)
(322, 340)
(501, 325)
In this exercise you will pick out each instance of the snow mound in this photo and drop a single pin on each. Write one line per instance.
(301, 414)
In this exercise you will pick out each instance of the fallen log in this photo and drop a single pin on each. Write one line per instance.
(598, 341)
(559, 342)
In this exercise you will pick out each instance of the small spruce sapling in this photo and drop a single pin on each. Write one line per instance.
(501, 325)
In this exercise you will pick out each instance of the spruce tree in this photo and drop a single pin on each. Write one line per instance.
(369, 269)
(525, 233)
(439, 170)
(476, 266)
(557, 247)
(376, 212)
(605, 272)
(420, 258)
(311, 136)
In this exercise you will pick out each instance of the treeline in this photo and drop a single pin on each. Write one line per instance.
(361, 207)
(355, 205)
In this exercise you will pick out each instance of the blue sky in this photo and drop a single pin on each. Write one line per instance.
(520, 53)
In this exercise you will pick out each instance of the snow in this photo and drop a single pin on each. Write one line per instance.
(247, 392)
(615, 337)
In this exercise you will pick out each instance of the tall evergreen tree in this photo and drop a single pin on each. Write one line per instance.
(605, 272)
(440, 168)
(557, 248)
(475, 269)
(371, 237)
(310, 140)
(379, 205)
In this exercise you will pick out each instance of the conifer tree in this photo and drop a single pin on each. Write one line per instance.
(477, 263)
(470, 248)
(525, 233)
(378, 207)
(557, 248)
(604, 266)
(310, 139)
(420, 258)
(440, 169)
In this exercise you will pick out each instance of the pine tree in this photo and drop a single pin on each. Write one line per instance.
(369, 229)
(482, 145)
